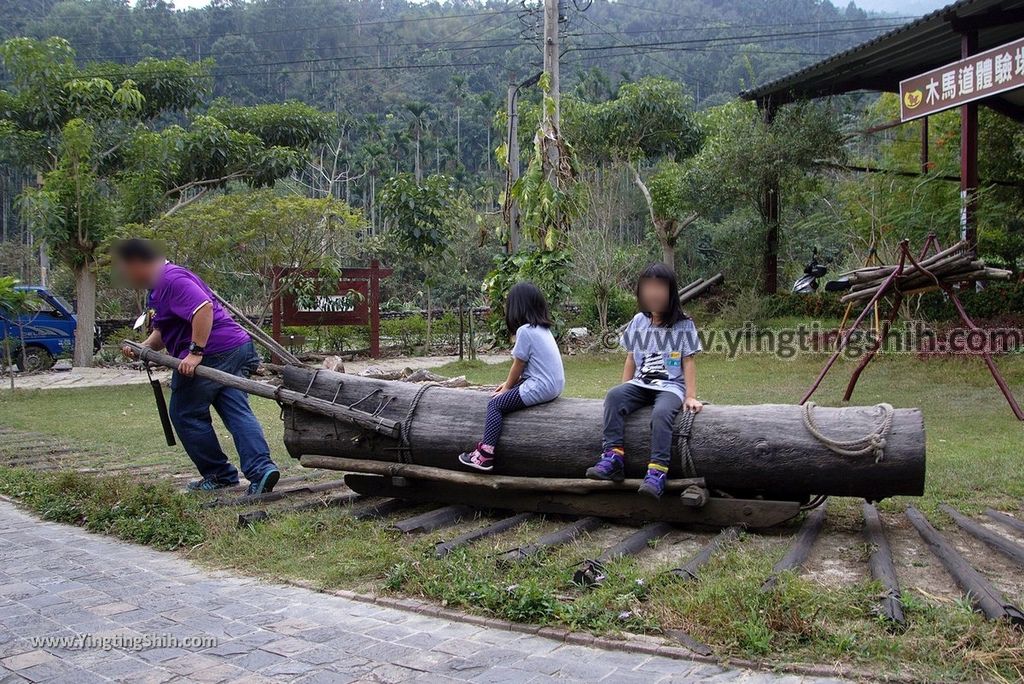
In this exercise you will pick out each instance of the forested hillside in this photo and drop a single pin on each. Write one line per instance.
(408, 99)
(447, 65)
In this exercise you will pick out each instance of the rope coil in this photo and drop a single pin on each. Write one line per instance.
(405, 444)
(681, 437)
(871, 443)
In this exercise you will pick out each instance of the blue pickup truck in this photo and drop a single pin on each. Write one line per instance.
(47, 326)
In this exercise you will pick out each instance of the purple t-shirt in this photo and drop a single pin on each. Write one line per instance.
(177, 296)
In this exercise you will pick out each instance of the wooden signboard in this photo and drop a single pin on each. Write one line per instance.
(979, 76)
(353, 300)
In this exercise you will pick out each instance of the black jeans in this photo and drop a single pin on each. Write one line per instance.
(627, 398)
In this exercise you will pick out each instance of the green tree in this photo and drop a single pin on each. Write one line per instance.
(421, 221)
(12, 303)
(748, 157)
(95, 133)
(651, 127)
(234, 241)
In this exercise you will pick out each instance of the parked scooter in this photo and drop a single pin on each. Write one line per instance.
(808, 282)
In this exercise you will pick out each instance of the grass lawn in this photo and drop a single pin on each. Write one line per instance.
(974, 451)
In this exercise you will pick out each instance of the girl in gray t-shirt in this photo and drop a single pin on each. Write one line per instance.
(659, 372)
(536, 375)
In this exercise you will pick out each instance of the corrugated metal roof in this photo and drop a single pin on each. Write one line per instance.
(882, 62)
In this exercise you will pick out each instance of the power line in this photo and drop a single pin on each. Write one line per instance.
(426, 44)
(691, 17)
(750, 37)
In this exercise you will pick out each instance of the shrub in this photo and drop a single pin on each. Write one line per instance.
(408, 333)
(621, 308)
(998, 300)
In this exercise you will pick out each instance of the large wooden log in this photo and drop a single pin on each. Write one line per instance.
(749, 450)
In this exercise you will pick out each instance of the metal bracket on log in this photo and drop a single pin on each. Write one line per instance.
(621, 505)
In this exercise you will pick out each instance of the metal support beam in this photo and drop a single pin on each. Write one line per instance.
(969, 155)
(924, 145)
(770, 215)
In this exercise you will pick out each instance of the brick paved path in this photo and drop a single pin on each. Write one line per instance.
(61, 582)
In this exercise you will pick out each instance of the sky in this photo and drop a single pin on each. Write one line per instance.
(904, 7)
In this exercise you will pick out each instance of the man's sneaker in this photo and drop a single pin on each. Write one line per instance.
(266, 484)
(610, 467)
(477, 459)
(654, 482)
(207, 484)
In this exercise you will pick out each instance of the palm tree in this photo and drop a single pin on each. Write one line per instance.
(458, 91)
(418, 123)
(488, 102)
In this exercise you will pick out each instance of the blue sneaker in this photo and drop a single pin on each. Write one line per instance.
(654, 482)
(266, 484)
(207, 484)
(610, 467)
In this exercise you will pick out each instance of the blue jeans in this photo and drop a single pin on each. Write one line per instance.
(627, 398)
(191, 399)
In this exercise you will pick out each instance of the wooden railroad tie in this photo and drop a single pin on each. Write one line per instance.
(444, 548)
(594, 572)
(691, 569)
(1015, 524)
(985, 598)
(1012, 550)
(559, 537)
(801, 547)
(435, 520)
(880, 562)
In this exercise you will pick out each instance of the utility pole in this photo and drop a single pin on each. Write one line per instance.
(512, 145)
(552, 14)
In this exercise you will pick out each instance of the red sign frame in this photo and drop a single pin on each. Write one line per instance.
(365, 281)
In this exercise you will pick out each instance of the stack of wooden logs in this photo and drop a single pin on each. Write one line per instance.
(699, 287)
(953, 265)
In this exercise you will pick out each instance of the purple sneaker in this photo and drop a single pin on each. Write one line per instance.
(477, 459)
(610, 467)
(654, 482)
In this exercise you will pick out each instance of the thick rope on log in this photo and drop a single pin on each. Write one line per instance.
(871, 443)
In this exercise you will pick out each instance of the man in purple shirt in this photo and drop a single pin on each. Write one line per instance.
(190, 323)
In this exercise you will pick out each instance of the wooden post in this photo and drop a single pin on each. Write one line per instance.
(512, 173)
(969, 155)
(375, 308)
(924, 145)
(276, 313)
(551, 54)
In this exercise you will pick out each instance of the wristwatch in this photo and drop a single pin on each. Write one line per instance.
(194, 348)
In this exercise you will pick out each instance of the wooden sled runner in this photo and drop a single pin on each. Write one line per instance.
(752, 465)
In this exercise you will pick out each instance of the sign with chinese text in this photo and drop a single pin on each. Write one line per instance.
(978, 76)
